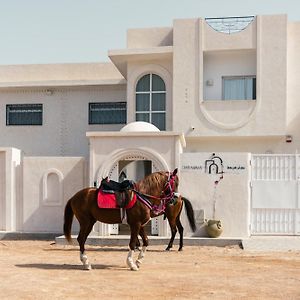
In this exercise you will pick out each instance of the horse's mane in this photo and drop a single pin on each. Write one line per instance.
(154, 182)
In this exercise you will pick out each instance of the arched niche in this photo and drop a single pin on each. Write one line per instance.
(52, 188)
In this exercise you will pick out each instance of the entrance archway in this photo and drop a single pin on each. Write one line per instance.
(111, 169)
(107, 149)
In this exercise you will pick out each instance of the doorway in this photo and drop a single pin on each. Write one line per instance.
(134, 170)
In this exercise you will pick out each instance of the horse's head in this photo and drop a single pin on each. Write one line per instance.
(160, 185)
(171, 185)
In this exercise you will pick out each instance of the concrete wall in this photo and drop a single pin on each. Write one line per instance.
(10, 160)
(229, 195)
(225, 63)
(18, 75)
(264, 117)
(149, 37)
(48, 183)
(65, 119)
(293, 87)
(213, 41)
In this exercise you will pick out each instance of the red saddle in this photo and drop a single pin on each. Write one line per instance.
(108, 200)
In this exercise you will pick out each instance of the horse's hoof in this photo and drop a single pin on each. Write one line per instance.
(168, 248)
(180, 249)
(134, 268)
(87, 267)
(138, 263)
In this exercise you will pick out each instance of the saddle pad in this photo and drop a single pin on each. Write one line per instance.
(108, 200)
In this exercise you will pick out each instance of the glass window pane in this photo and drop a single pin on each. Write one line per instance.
(143, 84)
(157, 83)
(142, 117)
(242, 88)
(234, 89)
(24, 114)
(107, 113)
(159, 102)
(142, 102)
(248, 88)
(159, 120)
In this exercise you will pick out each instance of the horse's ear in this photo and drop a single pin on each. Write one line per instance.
(175, 172)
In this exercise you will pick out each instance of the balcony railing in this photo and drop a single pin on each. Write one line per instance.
(229, 25)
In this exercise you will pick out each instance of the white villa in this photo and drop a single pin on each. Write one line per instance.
(221, 97)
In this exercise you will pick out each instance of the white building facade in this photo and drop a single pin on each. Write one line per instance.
(217, 96)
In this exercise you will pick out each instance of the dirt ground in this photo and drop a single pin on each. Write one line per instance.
(45, 270)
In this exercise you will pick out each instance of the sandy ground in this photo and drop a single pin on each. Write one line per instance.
(44, 270)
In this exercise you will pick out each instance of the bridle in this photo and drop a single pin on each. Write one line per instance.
(167, 195)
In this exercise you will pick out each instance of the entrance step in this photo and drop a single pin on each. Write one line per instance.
(123, 240)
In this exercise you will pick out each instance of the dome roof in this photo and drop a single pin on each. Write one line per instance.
(139, 126)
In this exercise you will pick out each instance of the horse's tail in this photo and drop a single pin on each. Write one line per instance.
(68, 219)
(190, 213)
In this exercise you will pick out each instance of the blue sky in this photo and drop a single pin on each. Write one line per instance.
(67, 31)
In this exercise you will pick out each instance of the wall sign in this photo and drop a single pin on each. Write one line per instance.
(212, 164)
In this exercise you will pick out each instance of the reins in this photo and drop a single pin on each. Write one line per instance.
(165, 197)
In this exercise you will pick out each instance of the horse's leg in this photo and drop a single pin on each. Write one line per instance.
(173, 231)
(180, 229)
(145, 245)
(135, 229)
(85, 229)
(138, 244)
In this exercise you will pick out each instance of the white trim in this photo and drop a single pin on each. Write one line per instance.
(130, 153)
(133, 78)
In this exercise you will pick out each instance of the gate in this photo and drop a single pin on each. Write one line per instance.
(275, 201)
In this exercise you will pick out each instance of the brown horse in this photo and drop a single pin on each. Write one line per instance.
(172, 214)
(153, 193)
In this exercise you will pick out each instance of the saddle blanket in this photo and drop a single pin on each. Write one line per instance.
(108, 200)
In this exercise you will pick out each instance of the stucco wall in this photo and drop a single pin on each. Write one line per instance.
(10, 163)
(35, 74)
(213, 40)
(65, 119)
(149, 37)
(225, 63)
(293, 87)
(231, 193)
(252, 144)
(2, 190)
(267, 115)
(42, 211)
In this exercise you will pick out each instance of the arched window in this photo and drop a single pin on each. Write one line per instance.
(151, 100)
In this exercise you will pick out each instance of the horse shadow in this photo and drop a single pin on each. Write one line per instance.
(106, 249)
(70, 267)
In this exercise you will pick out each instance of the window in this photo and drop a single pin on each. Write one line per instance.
(151, 100)
(24, 114)
(107, 113)
(239, 88)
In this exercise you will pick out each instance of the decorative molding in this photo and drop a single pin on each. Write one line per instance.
(111, 161)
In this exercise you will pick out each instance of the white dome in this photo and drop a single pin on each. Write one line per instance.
(139, 126)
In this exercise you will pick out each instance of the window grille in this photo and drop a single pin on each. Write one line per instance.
(24, 114)
(107, 113)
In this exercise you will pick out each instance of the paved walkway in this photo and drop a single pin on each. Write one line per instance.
(272, 243)
(254, 243)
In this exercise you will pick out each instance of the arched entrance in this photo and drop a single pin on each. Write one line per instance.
(132, 164)
(113, 152)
